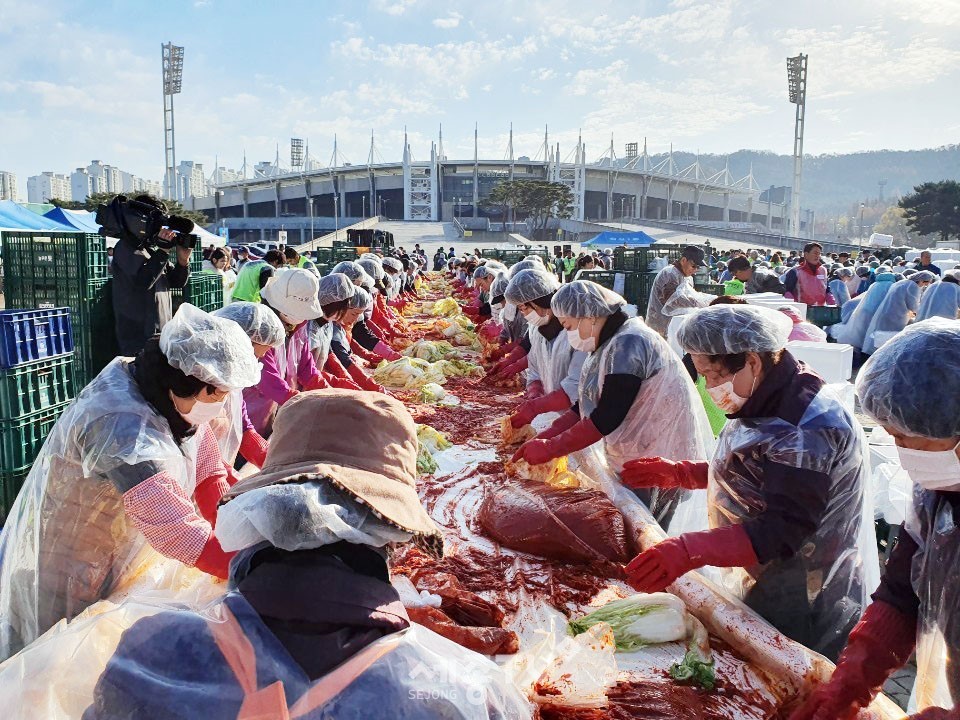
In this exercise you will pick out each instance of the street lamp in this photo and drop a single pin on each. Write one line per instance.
(622, 201)
(861, 228)
(310, 203)
(172, 64)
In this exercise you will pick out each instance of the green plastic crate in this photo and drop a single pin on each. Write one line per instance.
(10, 483)
(634, 286)
(94, 331)
(47, 260)
(323, 255)
(196, 259)
(22, 438)
(204, 290)
(36, 386)
(823, 315)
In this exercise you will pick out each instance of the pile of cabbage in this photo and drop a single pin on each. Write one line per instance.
(429, 350)
(459, 330)
(412, 373)
(430, 442)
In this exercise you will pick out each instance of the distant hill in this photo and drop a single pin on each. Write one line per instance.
(832, 183)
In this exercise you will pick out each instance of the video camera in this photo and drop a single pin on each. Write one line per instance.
(139, 221)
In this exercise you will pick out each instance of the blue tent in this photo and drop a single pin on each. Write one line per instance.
(636, 238)
(79, 219)
(17, 217)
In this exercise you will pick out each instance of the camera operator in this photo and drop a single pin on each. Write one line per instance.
(150, 259)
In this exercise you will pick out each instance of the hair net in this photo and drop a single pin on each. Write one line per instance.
(499, 286)
(534, 258)
(209, 348)
(259, 322)
(372, 268)
(352, 270)
(300, 516)
(370, 256)
(485, 271)
(583, 299)
(393, 264)
(495, 265)
(732, 329)
(525, 265)
(334, 288)
(923, 276)
(529, 285)
(925, 360)
(360, 299)
(845, 272)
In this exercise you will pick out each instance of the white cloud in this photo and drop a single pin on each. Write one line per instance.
(448, 23)
(394, 7)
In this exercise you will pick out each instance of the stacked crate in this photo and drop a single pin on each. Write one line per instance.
(632, 285)
(65, 270)
(36, 385)
(203, 289)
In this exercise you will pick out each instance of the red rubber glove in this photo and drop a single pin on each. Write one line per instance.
(317, 383)
(361, 352)
(534, 390)
(253, 448)
(663, 473)
(208, 493)
(880, 643)
(213, 560)
(561, 424)
(361, 379)
(554, 402)
(654, 569)
(386, 352)
(343, 384)
(539, 450)
(514, 368)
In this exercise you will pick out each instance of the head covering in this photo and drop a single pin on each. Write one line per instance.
(370, 256)
(334, 288)
(373, 268)
(258, 321)
(923, 276)
(211, 349)
(495, 265)
(363, 443)
(353, 271)
(694, 255)
(485, 271)
(529, 285)
(535, 258)
(583, 299)
(360, 299)
(925, 357)
(499, 286)
(526, 265)
(293, 292)
(732, 329)
(393, 264)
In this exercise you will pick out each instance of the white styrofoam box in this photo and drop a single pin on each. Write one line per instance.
(776, 301)
(832, 361)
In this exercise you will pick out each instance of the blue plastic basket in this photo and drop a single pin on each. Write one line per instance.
(28, 335)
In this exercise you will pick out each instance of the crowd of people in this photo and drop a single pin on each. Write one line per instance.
(749, 461)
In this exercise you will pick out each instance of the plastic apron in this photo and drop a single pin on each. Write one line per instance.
(320, 339)
(228, 426)
(935, 526)
(811, 288)
(666, 419)
(67, 541)
(893, 313)
(942, 299)
(414, 664)
(557, 366)
(818, 595)
(664, 286)
(260, 409)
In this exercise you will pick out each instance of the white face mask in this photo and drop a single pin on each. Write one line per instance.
(726, 399)
(932, 469)
(509, 312)
(578, 343)
(535, 319)
(203, 412)
(497, 307)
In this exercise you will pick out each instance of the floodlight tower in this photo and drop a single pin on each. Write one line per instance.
(172, 80)
(797, 87)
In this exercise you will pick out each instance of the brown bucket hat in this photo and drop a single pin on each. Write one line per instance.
(364, 443)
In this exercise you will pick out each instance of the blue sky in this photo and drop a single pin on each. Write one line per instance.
(81, 79)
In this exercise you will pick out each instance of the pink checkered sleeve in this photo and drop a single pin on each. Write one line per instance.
(209, 460)
(162, 511)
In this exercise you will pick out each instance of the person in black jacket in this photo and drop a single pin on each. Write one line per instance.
(142, 280)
